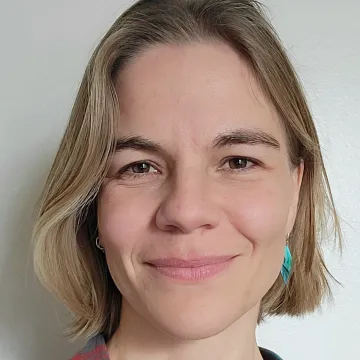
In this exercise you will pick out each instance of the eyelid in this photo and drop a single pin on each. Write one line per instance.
(124, 169)
(247, 158)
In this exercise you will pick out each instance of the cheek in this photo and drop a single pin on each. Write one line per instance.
(122, 218)
(260, 212)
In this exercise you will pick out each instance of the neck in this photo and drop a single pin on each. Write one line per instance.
(136, 339)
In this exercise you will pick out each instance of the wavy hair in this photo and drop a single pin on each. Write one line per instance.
(66, 259)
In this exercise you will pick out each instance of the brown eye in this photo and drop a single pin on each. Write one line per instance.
(137, 169)
(238, 163)
(140, 168)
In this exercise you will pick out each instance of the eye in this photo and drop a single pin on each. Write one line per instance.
(136, 169)
(240, 163)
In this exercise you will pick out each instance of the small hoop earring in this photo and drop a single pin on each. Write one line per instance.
(97, 243)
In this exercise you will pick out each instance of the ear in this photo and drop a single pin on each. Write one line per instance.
(297, 177)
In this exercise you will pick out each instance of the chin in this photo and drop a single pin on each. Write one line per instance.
(196, 323)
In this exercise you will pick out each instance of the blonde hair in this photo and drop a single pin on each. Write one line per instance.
(66, 259)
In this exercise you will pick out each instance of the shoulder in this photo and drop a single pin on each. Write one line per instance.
(95, 349)
(269, 355)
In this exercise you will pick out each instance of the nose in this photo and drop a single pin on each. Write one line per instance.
(187, 206)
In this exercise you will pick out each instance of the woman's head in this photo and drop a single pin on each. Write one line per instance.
(190, 137)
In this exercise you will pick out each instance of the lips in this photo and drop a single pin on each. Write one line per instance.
(181, 263)
(193, 270)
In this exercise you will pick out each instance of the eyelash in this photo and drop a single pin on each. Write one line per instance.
(134, 175)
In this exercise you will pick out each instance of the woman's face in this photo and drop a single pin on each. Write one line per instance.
(200, 195)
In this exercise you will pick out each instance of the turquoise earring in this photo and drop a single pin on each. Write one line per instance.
(287, 264)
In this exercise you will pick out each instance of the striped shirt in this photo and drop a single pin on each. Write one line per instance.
(96, 349)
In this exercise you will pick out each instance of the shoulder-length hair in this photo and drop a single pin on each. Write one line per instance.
(65, 256)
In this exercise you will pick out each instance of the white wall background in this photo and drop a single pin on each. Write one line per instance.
(44, 47)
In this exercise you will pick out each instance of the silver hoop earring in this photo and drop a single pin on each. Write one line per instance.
(97, 243)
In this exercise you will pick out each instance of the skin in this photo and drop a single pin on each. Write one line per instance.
(193, 199)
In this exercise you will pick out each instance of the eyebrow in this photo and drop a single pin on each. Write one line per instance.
(138, 143)
(243, 136)
(246, 137)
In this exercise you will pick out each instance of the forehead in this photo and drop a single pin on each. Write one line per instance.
(198, 88)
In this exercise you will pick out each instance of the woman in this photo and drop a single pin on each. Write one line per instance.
(187, 198)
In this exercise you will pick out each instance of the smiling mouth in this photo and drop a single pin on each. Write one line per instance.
(191, 270)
